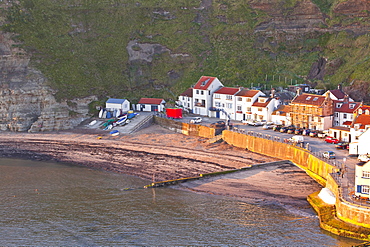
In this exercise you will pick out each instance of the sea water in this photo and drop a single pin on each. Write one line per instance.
(52, 204)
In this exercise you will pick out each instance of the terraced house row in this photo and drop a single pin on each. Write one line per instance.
(334, 110)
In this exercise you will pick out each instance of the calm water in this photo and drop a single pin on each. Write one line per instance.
(55, 204)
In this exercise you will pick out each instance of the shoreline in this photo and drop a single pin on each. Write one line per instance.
(159, 154)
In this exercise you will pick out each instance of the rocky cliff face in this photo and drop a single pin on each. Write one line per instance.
(26, 102)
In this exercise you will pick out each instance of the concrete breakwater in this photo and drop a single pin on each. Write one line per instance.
(345, 219)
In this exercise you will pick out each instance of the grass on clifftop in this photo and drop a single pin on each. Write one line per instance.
(81, 46)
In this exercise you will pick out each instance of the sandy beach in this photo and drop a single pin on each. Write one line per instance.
(157, 154)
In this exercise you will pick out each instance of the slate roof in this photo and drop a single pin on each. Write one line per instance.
(247, 93)
(188, 92)
(282, 110)
(115, 101)
(228, 90)
(338, 93)
(309, 99)
(204, 82)
(151, 101)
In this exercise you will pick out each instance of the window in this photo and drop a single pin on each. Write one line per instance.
(249, 100)
(351, 106)
(308, 98)
(217, 104)
(240, 98)
(229, 97)
(249, 109)
(239, 108)
(229, 105)
(259, 108)
(365, 174)
(217, 96)
(202, 92)
(367, 112)
(197, 91)
(365, 189)
(315, 99)
(345, 115)
(336, 114)
(339, 105)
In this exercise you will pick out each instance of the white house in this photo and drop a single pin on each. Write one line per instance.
(338, 94)
(224, 103)
(362, 180)
(344, 111)
(202, 94)
(244, 100)
(359, 127)
(343, 134)
(262, 109)
(117, 104)
(282, 115)
(185, 100)
(151, 104)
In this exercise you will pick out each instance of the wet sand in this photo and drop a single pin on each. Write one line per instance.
(157, 154)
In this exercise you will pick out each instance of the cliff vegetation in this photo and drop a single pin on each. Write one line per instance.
(158, 48)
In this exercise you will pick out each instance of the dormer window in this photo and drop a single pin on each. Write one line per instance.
(315, 99)
(339, 105)
(308, 98)
(360, 111)
(205, 82)
(261, 100)
(351, 106)
(367, 112)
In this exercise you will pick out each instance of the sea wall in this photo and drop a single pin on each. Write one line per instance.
(332, 218)
(318, 168)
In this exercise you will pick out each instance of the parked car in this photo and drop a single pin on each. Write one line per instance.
(290, 130)
(342, 145)
(298, 131)
(277, 128)
(296, 139)
(321, 134)
(219, 124)
(332, 140)
(284, 129)
(306, 132)
(267, 126)
(313, 133)
(255, 123)
(363, 157)
(328, 155)
(196, 120)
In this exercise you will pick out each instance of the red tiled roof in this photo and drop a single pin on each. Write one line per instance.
(338, 93)
(151, 101)
(247, 93)
(188, 92)
(283, 110)
(204, 82)
(365, 107)
(346, 107)
(309, 99)
(362, 119)
(258, 104)
(347, 123)
(340, 128)
(228, 90)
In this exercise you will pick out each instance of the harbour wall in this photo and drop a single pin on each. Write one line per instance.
(316, 168)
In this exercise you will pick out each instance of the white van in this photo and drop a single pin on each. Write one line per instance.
(296, 139)
(363, 158)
